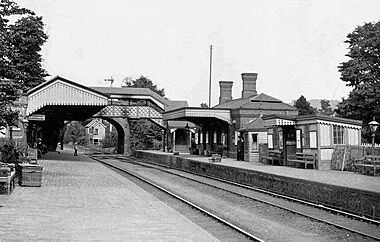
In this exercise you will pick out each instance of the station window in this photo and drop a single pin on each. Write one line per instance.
(96, 131)
(307, 136)
(338, 135)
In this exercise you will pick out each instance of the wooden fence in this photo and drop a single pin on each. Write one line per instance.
(344, 156)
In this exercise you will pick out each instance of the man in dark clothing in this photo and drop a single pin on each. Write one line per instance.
(240, 149)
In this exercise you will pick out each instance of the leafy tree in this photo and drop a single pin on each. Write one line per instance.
(21, 38)
(144, 134)
(362, 72)
(304, 107)
(75, 132)
(143, 82)
(111, 139)
(326, 108)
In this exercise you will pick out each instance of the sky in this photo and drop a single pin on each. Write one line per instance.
(295, 46)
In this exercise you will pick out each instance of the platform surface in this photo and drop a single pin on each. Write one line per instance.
(332, 177)
(82, 200)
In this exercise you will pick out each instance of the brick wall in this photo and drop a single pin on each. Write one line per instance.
(362, 202)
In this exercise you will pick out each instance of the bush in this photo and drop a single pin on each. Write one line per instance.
(10, 153)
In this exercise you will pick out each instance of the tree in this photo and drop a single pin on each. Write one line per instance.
(75, 132)
(111, 139)
(143, 82)
(304, 107)
(326, 108)
(362, 72)
(144, 134)
(21, 38)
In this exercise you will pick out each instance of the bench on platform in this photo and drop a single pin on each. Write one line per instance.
(302, 158)
(8, 182)
(215, 158)
(368, 164)
(272, 157)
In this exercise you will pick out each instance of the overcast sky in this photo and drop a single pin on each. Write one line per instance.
(294, 46)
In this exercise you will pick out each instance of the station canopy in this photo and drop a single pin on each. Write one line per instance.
(64, 99)
(278, 120)
(199, 115)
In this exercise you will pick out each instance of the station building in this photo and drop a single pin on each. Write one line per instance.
(263, 123)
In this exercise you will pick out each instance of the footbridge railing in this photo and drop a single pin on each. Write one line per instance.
(132, 112)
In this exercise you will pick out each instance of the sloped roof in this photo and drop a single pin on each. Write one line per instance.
(130, 91)
(175, 123)
(254, 125)
(94, 122)
(260, 101)
(58, 78)
(169, 104)
(176, 104)
(262, 97)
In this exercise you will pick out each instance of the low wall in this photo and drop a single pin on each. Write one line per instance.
(348, 199)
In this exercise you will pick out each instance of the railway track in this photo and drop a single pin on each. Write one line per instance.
(248, 236)
(238, 189)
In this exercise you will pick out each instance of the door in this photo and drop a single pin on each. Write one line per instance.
(289, 142)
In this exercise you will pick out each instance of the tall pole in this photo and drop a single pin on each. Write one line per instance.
(373, 143)
(209, 87)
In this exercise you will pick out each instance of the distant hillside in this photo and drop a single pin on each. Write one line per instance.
(316, 103)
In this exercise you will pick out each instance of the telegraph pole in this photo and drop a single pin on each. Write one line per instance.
(111, 80)
(209, 87)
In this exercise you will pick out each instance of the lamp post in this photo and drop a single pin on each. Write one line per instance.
(373, 126)
(25, 125)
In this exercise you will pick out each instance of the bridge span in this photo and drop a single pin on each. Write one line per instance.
(58, 100)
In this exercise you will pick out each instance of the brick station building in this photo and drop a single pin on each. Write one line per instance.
(260, 120)
(219, 127)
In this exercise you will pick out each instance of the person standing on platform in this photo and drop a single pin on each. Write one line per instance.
(76, 149)
(240, 149)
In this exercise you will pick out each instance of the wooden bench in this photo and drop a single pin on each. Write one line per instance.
(302, 158)
(215, 158)
(273, 156)
(8, 182)
(368, 164)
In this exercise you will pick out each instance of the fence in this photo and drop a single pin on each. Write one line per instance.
(370, 145)
(344, 156)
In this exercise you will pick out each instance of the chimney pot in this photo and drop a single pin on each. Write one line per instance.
(249, 84)
(225, 91)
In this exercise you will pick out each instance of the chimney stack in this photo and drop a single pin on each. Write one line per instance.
(249, 84)
(225, 91)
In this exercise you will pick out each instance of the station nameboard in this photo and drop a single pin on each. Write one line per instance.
(36, 117)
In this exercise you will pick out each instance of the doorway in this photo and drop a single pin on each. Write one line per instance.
(289, 142)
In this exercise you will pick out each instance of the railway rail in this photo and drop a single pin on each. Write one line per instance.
(215, 217)
(231, 185)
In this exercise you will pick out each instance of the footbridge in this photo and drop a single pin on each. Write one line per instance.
(59, 100)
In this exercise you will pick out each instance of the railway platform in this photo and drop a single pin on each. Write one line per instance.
(82, 200)
(331, 177)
